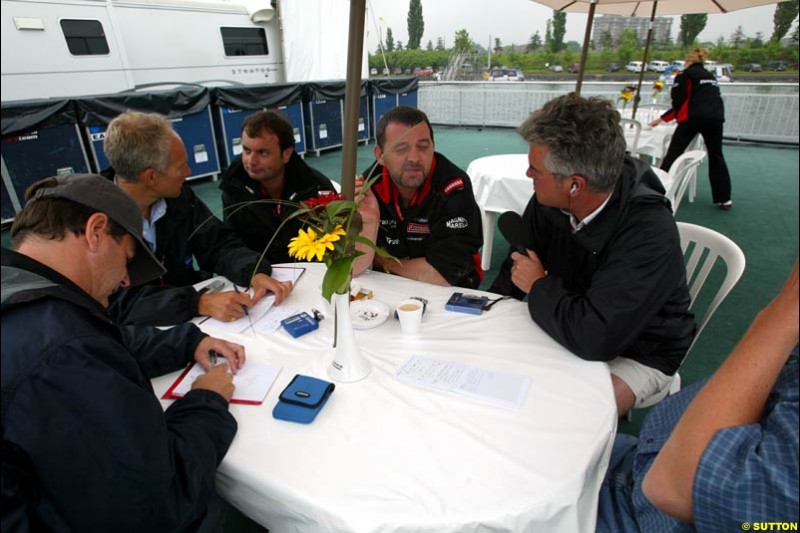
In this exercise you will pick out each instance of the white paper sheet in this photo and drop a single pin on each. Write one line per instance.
(252, 381)
(501, 389)
(258, 311)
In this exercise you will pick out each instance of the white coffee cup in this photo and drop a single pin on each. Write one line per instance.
(409, 311)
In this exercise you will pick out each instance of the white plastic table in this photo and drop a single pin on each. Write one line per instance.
(386, 456)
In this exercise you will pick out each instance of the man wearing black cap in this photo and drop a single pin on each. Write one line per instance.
(86, 444)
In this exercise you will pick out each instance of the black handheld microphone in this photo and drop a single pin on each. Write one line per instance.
(510, 225)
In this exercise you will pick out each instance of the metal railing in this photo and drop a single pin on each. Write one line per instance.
(759, 112)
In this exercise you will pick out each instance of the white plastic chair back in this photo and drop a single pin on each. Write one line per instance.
(697, 144)
(702, 248)
(632, 130)
(337, 186)
(681, 174)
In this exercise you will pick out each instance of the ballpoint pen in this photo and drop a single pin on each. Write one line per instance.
(246, 311)
(212, 357)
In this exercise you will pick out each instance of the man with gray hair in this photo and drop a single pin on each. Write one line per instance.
(604, 272)
(150, 163)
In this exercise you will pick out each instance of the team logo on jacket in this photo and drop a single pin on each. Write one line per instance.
(456, 184)
(457, 223)
(418, 228)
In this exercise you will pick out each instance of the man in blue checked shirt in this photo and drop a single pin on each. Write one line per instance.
(722, 455)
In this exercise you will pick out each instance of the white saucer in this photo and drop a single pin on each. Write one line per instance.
(368, 314)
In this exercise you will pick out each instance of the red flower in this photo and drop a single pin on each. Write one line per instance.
(324, 198)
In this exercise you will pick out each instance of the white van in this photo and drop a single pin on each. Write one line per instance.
(721, 72)
(657, 66)
(634, 66)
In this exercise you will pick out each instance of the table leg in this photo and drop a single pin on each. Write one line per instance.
(489, 219)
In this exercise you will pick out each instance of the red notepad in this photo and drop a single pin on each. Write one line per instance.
(252, 382)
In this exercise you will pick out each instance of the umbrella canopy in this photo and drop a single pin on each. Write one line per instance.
(634, 8)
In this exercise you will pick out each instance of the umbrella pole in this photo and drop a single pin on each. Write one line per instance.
(585, 50)
(352, 98)
(644, 61)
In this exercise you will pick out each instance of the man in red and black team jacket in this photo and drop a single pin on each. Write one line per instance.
(421, 209)
(698, 108)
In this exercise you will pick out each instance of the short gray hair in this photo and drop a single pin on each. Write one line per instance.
(583, 137)
(137, 141)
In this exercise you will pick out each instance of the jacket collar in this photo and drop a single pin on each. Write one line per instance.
(26, 280)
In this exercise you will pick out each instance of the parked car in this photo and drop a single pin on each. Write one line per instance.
(657, 66)
(556, 68)
(721, 72)
(612, 67)
(777, 65)
(574, 68)
(373, 71)
(506, 74)
(752, 67)
(678, 64)
(634, 66)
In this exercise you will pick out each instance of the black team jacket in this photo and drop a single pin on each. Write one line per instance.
(441, 224)
(618, 286)
(86, 444)
(256, 223)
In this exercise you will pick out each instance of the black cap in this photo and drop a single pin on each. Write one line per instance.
(98, 193)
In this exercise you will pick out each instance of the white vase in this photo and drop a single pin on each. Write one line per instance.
(348, 365)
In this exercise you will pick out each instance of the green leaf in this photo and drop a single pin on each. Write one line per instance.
(378, 250)
(337, 277)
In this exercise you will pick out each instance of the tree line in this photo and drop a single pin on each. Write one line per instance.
(541, 51)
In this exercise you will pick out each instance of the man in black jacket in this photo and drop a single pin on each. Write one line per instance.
(421, 209)
(151, 165)
(604, 274)
(86, 444)
(261, 186)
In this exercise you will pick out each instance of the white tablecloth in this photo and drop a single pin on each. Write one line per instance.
(653, 142)
(500, 185)
(385, 456)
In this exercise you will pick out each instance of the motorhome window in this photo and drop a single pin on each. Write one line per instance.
(244, 41)
(85, 37)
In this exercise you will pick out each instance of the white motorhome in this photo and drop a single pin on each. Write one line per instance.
(64, 48)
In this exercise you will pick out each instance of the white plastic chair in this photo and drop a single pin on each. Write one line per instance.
(337, 186)
(697, 144)
(704, 247)
(681, 174)
(632, 129)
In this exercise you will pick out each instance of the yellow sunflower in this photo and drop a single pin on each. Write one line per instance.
(308, 243)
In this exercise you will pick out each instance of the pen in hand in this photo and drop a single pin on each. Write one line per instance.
(244, 307)
(212, 357)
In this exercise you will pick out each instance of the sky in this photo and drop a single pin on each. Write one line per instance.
(514, 21)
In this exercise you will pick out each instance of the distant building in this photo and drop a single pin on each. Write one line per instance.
(615, 24)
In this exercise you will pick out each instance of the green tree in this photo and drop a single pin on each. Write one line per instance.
(758, 40)
(795, 36)
(559, 30)
(737, 38)
(429, 46)
(535, 43)
(606, 41)
(548, 36)
(691, 26)
(389, 40)
(628, 47)
(785, 14)
(462, 41)
(399, 45)
(416, 24)
(439, 44)
(498, 46)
